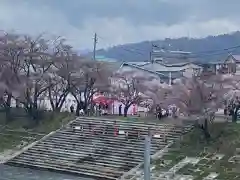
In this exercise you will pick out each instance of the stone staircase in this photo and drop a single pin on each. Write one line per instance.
(75, 149)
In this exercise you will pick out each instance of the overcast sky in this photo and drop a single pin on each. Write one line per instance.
(120, 21)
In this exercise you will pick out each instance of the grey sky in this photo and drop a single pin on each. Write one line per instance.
(120, 21)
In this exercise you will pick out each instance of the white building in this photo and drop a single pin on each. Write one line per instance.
(232, 63)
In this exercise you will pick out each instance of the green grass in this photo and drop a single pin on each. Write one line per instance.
(10, 139)
(225, 139)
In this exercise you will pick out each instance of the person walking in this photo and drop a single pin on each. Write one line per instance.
(120, 110)
(146, 110)
(72, 108)
(159, 112)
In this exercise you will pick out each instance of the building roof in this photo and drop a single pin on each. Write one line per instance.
(179, 64)
(103, 58)
(178, 60)
(141, 63)
(158, 66)
(236, 58)
(210, 63)
(232, 57)
(144, 69)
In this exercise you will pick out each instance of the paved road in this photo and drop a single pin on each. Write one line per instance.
(16, 173)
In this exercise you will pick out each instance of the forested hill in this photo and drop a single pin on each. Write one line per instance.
(217, 47)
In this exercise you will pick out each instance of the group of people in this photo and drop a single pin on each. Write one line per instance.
(98, 129)
(98, 109)
(231, 108)
(110, 129)
(161, 113)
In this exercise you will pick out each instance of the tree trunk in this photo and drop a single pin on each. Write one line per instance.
(57, 109)
(57, 103)
(17, 103)
(8, 114)
(8, 108)
(204, 127)
(78, 109)
(125, 110)
(206, 130)
(31, 112)
(235, 114)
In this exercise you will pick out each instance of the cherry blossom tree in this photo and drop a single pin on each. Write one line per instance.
(11, 60)
(194, 96)
(65, 63)
(36, 67)
(231, 85)
(30, 67)
(91, 77)
(133, 88)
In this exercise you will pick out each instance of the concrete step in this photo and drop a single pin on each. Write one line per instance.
(132, 144)
(85, 136)
(86, 148)
(110, 164)
(142, 131)
(80, 170)
(126, 122)
(106, 162)
(63, 149)
(106, 155)
(57, 147)
(91, 140)
(130, 126)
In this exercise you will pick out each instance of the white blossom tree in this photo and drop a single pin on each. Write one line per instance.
(133, 88)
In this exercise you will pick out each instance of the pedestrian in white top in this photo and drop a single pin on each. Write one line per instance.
(146, 110)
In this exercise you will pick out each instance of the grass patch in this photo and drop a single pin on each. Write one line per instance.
(167, 161)
(12, 141)
(20, 129)
(225, 139)
(53, 122)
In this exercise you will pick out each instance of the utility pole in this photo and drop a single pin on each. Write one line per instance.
(95, 40)
(94, 46)
(147, 152)
(151, 53)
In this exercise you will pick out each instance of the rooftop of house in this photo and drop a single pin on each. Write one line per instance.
(143, 69)
(211, 62)
(103, 58)
(140, 63)
(157, 66)
(236, 57)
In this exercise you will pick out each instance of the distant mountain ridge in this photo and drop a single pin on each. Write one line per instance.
(211, 48)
